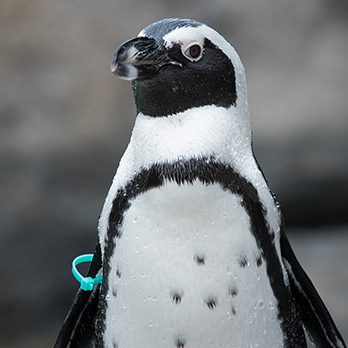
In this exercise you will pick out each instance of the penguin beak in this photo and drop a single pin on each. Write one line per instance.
(139, 58)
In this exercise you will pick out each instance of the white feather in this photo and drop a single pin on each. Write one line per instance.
(155, 257)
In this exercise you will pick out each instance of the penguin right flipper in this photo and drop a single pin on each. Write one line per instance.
(78, 329)
(315, 316)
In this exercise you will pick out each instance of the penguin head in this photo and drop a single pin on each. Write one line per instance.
(179, 64)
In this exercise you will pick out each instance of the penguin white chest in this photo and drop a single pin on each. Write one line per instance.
(187, 273)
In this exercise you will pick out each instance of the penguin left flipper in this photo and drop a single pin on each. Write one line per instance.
(315, 316)
(78, 329)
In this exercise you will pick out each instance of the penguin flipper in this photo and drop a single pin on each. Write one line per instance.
(315, 316)
(78, 329)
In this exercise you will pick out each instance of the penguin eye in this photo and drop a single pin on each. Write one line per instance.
(193, 52)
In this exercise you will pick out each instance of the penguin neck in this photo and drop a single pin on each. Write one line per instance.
(203, 132)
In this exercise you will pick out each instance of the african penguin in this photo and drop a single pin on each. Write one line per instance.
(191, 245)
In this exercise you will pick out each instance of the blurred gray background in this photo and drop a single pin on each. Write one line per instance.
(65, 120)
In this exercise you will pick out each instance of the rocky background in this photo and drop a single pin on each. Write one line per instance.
(65, 121)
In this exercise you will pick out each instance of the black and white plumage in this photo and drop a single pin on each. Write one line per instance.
(191, 245)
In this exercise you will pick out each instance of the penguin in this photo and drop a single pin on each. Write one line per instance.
(192, 247)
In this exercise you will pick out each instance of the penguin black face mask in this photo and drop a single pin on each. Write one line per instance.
(172, 76)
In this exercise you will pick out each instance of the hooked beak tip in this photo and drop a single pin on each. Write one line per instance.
(113, 68)
(125, 71)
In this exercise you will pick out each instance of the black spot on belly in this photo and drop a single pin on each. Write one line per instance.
(259, 261)
(243, 261)
(200, 259)
(180, 343)
(211, 302)
(233, 291)
(118, 274)
(176, 296)
(114, 291)
(233, 310)
(114, 344)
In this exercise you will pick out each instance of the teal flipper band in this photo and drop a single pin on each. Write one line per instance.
(87, 283)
